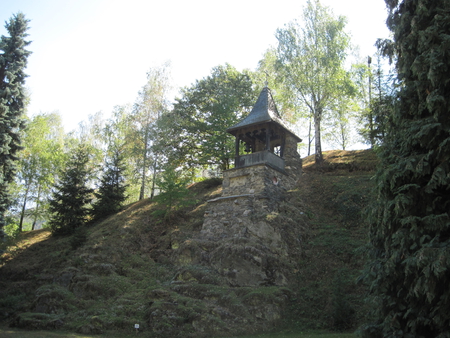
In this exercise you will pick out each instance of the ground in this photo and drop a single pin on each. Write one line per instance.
(125, 272)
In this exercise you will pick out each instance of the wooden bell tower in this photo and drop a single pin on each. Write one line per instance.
(266, 138)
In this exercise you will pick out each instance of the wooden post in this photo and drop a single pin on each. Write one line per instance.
(237, 146)
(283, 144)
(268, 138)
(236, 157)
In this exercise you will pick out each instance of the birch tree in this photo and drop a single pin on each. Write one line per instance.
(41, 158)
(311, 55)
(151, 103)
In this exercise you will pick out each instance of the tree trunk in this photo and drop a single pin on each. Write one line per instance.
(317, 137)
(343, 136)
(309, 137)
(371, 136)
(154, 178)
(24, 205)
(144, 167)
(36, 211)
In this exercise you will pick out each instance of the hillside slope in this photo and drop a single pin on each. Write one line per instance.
(129, 270)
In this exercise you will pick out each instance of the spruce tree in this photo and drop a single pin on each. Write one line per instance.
(13, 61)
(409, 269)
(69, 205)
(174, 192)
(111, 192)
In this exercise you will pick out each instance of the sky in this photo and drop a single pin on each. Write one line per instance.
(91, 55)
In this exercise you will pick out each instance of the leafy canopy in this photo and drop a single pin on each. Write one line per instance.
(194, 132)
(311, 56)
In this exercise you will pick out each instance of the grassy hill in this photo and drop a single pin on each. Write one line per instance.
(125, 273)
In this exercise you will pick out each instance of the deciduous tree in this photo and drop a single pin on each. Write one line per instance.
(41, 158)
(341, 124)
(311, 55)
(152, 102)
(195, 131)
(118, 136)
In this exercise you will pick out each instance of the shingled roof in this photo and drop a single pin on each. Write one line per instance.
(263, 111)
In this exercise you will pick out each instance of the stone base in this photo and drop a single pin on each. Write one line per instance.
(238, 237)
(259, 179)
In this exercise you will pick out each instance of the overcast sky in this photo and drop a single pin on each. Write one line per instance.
(90, 55)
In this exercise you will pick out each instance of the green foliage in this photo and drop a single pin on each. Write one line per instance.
(268, 73)
(11, 228)
(174, 192)
(13, 61)
(375, 118)
(111, 192)
(11, 302)
(339, 127)
(127, 274)
(409, 268)
(118, 136)
(141, 134)
(381, 112)
(194, 133)
(41, 157)
(310, 56)
(71, 196)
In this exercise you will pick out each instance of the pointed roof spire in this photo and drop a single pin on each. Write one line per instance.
(264, 111)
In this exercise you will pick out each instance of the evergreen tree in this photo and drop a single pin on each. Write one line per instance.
(174, 192)
(111, 192)
(71, 196)
(13, 61)
(409, 269)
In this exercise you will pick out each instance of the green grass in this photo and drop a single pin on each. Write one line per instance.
(125, 264)
(12, 333)
(301, 335)
(9, 333)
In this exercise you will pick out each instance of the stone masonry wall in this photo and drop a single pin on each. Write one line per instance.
(240, 241)
(291, 156)
(256, 180)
